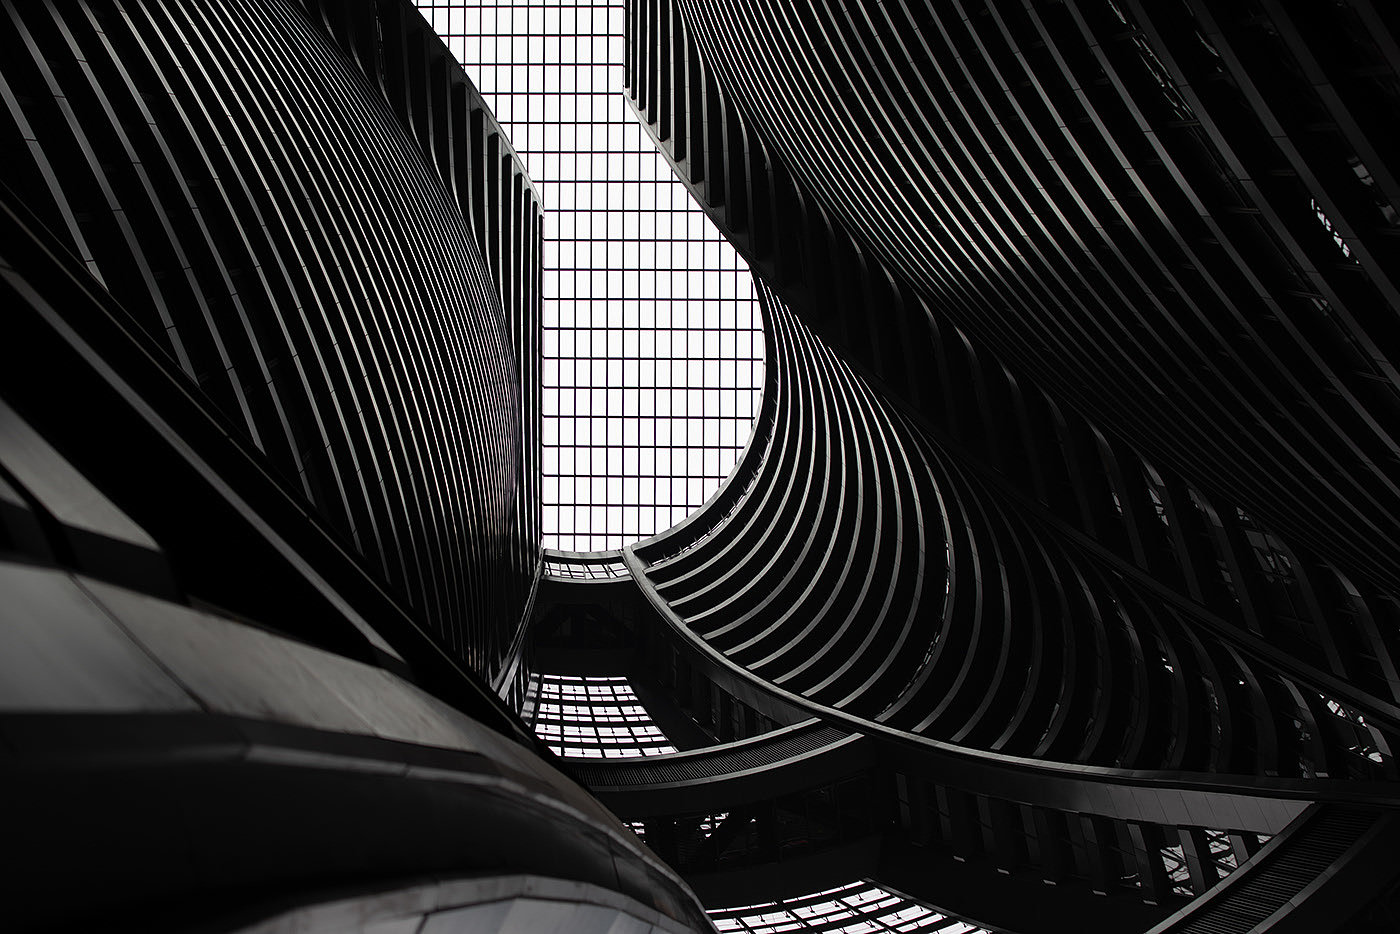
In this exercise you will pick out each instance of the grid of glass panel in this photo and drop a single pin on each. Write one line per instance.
(1365, 744)
(856, 908)
(584, 567)
(653, 345)
(595, 718)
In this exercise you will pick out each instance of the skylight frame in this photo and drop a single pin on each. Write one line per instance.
(854, 908)
(653, 341)
(594, 717)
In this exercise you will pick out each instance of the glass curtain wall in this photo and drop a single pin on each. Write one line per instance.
(653, 343)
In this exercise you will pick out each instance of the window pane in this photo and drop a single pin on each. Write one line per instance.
(634, 270)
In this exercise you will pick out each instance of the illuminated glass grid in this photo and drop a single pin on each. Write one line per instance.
(584, 567)
(595, 718)
(850, 909)
(653, 344)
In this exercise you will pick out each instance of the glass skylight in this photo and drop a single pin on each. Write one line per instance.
(855, 908)
(653, 342)
(597, 567)
(595, 718)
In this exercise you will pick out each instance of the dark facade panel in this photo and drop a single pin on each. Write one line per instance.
(1175, 221)
(1063, 551)
(179, 766)
(1324, 614)
(1122, 333)
(268, 485)
(293, 207)
(867, 571)
(1045, 717)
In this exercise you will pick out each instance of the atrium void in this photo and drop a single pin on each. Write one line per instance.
(653, 341)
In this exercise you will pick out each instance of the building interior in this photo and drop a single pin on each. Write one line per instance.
(918, 465)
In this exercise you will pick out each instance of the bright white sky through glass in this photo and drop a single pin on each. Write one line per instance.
(595, 718)
(653, 344)
(856, 908)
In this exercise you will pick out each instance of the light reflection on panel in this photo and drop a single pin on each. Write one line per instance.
(653, 343)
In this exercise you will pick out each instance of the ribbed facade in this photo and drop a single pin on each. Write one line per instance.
(310, 212)
(875, 630)
(1077, 464)
(828, 578)
(871, 573)
(1057, 587)
(1175, 221)
(269, 496)
(1324, 611)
